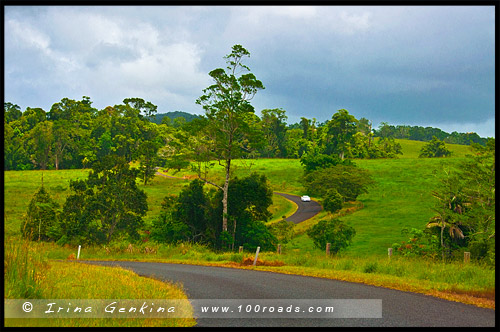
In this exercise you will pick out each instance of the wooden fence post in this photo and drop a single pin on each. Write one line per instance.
(327, 249)
(279, 249)
(241, 249)
(466, 257)
(389, 252)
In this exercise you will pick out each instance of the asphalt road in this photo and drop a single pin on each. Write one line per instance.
(305, 210)
(399, 309)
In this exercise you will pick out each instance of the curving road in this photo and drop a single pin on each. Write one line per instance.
(305, 210)
(399, 309)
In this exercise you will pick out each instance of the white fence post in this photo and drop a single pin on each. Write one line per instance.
(256, 255)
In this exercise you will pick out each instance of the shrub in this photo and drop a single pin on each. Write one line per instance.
(283, 230)
(333, 231)
(434, 148)
(349, 181)
(312, 161)
(332, 201)
(370, 267)
(420, 243)
(40, 217)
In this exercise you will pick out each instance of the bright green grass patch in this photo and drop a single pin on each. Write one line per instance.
(400, 198)
(283, 174)
(411, 149)
(156, 191)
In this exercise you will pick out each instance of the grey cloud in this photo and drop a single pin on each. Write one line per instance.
(400, 64)
(104, 53)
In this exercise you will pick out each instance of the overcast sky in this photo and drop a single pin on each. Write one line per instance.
(426, 66)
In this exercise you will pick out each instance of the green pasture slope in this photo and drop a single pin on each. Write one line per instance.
(400, 198)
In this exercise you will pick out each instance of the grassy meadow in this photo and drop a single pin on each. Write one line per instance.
(401, 197)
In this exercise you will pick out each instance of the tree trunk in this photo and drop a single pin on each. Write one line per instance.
(442, 243)
(224, 199)
(234, 235)
(111, 229)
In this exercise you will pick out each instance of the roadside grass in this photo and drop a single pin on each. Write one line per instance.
(30, 274)
(467, 283)
(24, 267)
(472, 283)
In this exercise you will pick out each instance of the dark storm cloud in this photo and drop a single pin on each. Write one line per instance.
(403, 65)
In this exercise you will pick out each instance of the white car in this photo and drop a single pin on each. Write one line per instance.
(305, 198)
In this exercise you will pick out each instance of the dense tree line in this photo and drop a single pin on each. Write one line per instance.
(175, 118)
(73, 134)
(418, 133)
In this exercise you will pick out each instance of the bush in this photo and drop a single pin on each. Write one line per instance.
(256, 234)
(349, 181)
(332, 231)
(333, 201)
(42, 214)
(420, 243)
(283, 230)
(370, 267)
(108, 204)
(313, 161)
(434, 149)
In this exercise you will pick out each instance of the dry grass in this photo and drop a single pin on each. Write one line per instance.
(247, 261)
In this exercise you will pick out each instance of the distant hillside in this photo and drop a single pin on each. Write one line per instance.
(175, 114)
